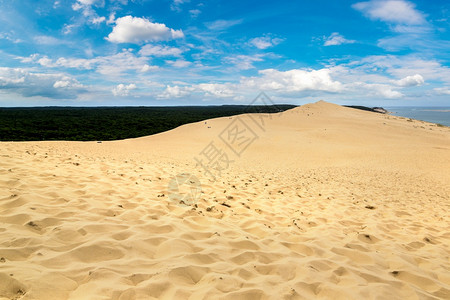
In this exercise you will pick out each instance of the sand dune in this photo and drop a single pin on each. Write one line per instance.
(320, 201)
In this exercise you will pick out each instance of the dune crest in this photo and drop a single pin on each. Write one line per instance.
(325, 202)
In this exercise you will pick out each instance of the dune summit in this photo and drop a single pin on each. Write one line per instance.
(320, 201)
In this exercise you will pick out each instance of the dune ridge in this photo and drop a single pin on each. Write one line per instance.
(326, 202)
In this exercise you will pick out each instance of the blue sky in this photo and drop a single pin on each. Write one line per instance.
(189, 52)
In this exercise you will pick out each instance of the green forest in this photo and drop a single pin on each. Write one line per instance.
(109, 123)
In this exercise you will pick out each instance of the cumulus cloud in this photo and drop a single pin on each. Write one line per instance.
(67, 83)
(107, 65)
(98, 20)
(291, 83)
(123, 90)
(413, 80)
(265, 42)
(374, 89)
(85, 6)
(336, 39)
(296, 80)
(174, 92)
(179, 63)
(45, 61)
(61, 84)
(28, 59)
(29, 84)
(135, 30)
(217, 89)
(442, 90)
(157, 50)
(391, 11)
(111, 19)
(403, 66)
(147, 68)
(118, 63)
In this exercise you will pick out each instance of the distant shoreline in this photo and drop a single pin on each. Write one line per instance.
(437, 110)
(437, 115)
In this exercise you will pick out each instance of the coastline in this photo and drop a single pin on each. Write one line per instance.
(436, 115)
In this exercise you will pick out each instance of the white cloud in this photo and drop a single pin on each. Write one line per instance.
(123, 2)
(195, 12)
(296, 80)
(373, 89)
(76, 63)
(219, 25)
(68, 28)
(45, 61)
(244, 62)
(175, 6)
(47, 40)
(419, 41)
(391, 11)
(217, 89)
(77, 6)
(10, 37)
(147, 68)
(113, 65)
(291, 83)
(409, 26)
(174, 92)
(442, 91)
(265, 42)
(86, 7)
(336, 39)
(179, 63)
(67, 83)
(135, 30)
(151, 50)
(28, 59)
(118, 63)
(98, 20)
(28, 84)
(182, 89)
(413, 80)
(61, 84)
(123, 90)
(87, 2)
(111, 19)
(403, 66)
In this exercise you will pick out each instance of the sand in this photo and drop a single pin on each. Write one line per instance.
(319, 202)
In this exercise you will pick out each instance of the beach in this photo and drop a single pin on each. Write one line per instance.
(317, 202)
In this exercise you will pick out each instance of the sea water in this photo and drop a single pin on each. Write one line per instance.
(439, 115)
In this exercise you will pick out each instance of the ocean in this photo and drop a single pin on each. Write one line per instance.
(439, 115)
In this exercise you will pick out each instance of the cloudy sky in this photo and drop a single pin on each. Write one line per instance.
(191, 52)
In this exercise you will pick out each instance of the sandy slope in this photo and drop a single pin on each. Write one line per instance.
(326, 202)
